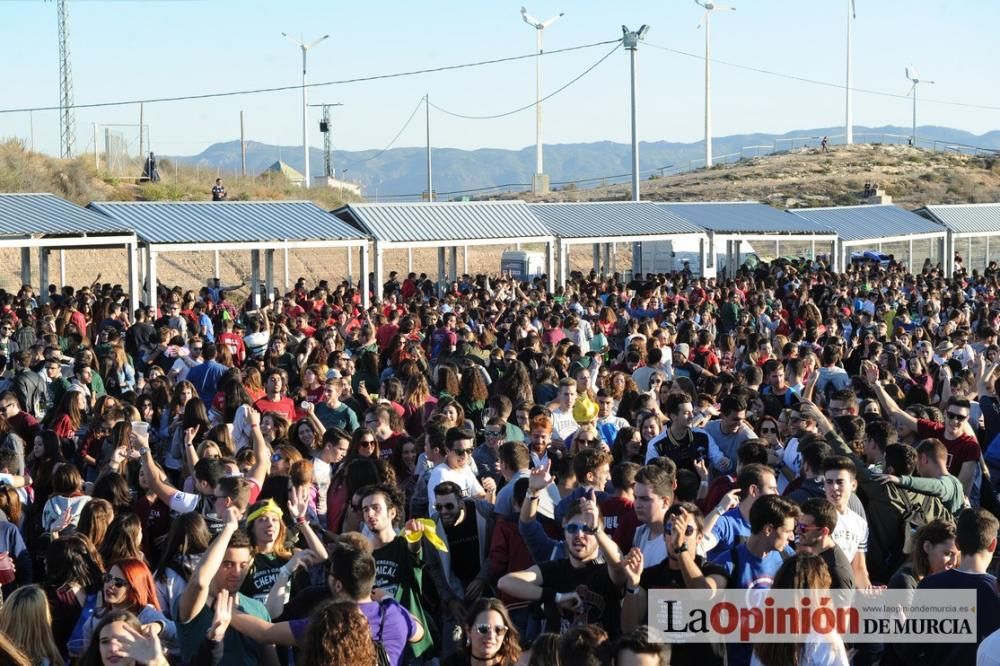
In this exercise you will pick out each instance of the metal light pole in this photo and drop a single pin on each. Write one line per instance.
(707, 21)
(849, 120)
(305, 106)
(430, 180)
(539, 184)
(911, 74)
(326, 129)
(630, 40)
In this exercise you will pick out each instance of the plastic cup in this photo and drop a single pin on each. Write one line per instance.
(140, 428)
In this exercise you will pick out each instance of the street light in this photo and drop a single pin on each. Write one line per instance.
(849, 120)
(539, 184)
(706, 20)
(630, 40)
(305, 112)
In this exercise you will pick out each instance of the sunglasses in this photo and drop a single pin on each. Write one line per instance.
(668, 527)
(575, 528)
(764, 431)
(115, 581)
(446, 506)
(587, 441)
(367, 443)
(483, 629)
(493, 433)
(461, 453)
(277, 457)
(957, 417)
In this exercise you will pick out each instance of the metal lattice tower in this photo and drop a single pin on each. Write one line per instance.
(326, 127)
(67, 131)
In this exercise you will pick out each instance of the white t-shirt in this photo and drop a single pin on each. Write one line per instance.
(464, 477)
(563, 423)
(819, 650)
(654, 549)
(851, 534)
(321, 477)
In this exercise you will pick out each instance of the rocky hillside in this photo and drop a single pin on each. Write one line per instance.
(810, 178)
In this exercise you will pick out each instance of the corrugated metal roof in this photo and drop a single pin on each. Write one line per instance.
(445, 221)
(227, 222)
(853, 223)
(743, 217)
(966, 218)
(611, 219)
(26, 214)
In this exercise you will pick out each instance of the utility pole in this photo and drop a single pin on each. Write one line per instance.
(849, 120)
(142, 145)
(326, 127)
(630, 40)
(243, 151)
(67, 132)
(430, 182)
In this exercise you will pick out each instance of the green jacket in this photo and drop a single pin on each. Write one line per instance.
(948, 489)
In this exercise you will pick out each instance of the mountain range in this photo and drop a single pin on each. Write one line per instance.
(402, 171)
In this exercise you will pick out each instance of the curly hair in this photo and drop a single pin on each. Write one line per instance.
(339, 634)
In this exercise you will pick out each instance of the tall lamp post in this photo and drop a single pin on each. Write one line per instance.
(539, 184)
(707, 22)
(305, 106)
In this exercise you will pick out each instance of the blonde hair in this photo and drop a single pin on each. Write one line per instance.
(26, 619)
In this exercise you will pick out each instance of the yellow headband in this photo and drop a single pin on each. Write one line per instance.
(269, 507)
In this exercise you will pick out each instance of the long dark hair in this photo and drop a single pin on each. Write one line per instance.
(234, 395)
(73, 559)
(188, 536)
(92, 657)
(802, 572)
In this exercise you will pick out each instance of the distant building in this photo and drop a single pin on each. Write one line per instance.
(336, 184)
(293, 176)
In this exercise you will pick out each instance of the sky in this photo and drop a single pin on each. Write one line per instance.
(135, 49)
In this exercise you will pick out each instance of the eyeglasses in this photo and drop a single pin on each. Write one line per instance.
(668, 527)
(957, 417)
(802, 527)
(461, 453)
(493, 433)
(587, 441)
(367, 443)
(446, 506)
(483, 629)
(115, 581)
(575, 528)
(277, 457)
(196, 348)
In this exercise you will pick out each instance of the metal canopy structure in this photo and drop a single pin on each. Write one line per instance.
(605, 223)
(738, 221)
(200, 226)
(444, 225)
(871, 226)
(46, 222)
(965, 222)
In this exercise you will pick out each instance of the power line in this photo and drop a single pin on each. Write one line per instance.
(536, 103)
(362, 79)
(819, 82)
(394, 139)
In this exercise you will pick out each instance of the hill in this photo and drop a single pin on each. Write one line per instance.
(808, 177)
(402, 171)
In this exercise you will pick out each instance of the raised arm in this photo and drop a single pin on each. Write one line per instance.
(262, 631)
(901, 418)
(154, 475)
(193, 599)
(261, 452)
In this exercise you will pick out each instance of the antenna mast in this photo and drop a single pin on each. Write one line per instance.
(67, 132)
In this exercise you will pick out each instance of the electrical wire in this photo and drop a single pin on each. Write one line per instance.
(819, 82)
(395, 138)
(360, 79)
(533, 104)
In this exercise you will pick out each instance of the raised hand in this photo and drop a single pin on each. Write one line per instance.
(298, 502)
(224, 605)
(633, 562)
(539, 478)
(729, 501)
(142, 646)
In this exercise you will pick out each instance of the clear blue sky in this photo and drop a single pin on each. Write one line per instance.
(126, 49)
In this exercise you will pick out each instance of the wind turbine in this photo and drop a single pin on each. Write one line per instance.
(706, 20)
(849, 121)
(538, 184)
(911, 74)
(305, 46)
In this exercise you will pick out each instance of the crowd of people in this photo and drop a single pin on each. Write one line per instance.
(484, 472)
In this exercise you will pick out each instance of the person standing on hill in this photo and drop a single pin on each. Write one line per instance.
(218, 191)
